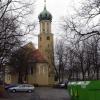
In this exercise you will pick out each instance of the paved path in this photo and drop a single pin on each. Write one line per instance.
(41, 93)
(52, 94)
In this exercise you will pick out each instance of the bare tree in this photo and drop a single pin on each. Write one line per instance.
(86, 20)
(12, 17)
(22, 62)
(60, 59)
(84, 28)
(84, 59)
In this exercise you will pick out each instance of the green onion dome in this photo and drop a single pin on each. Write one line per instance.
(45, 15)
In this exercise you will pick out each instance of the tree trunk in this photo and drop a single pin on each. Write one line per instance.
(20, 78)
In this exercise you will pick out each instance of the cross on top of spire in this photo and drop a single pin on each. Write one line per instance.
(45, 15)
(44, 3)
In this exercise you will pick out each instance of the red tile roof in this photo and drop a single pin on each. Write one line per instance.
(38, 57)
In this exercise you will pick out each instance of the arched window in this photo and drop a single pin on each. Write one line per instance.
(48, 38)
(47, 27)
(40, 38)
(43, 24)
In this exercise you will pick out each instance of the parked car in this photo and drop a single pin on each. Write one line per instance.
(3, 84)
(22, 88)
(10, 85)
(60, 85)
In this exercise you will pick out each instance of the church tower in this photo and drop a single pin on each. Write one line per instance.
(45, 41)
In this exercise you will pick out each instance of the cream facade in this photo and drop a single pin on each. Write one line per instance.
(39, 76)
(45, 42)
(43, 73)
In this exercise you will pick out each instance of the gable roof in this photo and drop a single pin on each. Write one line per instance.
(29, 45)
(38, 57)
(35, 56)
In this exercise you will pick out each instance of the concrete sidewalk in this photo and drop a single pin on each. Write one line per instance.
(5, 96)
(47, 93)
(40, 93)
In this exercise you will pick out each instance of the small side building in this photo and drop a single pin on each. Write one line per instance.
(37, 73)
(39, 76)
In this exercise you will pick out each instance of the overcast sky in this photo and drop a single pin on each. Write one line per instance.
(58, 9)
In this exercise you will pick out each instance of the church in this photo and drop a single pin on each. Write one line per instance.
(44, 70)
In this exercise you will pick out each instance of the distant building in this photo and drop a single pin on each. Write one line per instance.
(43, 73)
